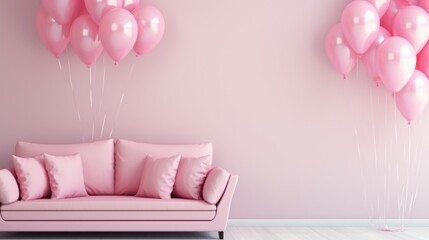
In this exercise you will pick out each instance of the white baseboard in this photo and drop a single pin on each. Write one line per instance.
(377, 223)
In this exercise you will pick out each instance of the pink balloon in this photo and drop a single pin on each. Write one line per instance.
(368, 58)
(54, 35)
(339, 52)
(97, 8)
(151, 28)
(410, 2)
(389, 16)
(412, 23)
(360, 24)
(395, 61)
(84, 39)
(118, 33)
(63, 11)
(424, 4)
(414, 97)
(130, 5)
(381, 6)
(423, 60)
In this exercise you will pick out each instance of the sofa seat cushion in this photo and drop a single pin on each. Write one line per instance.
(110, 203)
(108, 215)
(109, 208)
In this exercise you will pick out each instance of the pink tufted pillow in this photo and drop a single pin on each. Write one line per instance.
(190, 177)
(65, 176)
(157, 177)
(129, 158)
(9, 191)
(97, 161)
(32, 177)
(215, 185)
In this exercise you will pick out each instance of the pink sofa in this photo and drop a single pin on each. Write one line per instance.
(111, 171)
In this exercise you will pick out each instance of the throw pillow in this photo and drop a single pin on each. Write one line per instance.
(157, 177)
(65, 176)
(9, 191)
(32, 177)
(190, 177)
(215, 185)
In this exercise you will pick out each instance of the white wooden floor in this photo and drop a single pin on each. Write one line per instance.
(248, 233)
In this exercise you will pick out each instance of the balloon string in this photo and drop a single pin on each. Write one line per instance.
(407, 184)
(357, 68)
(386, 162)
(102, 126)
(117, 114)
(90, 87)
(395, 119)
(373, 129)
(125, 84)
(399, 178)
(378, 165)
(72, 88)
(419, 159)
(59, 64)
(92, 131)
(68, 64)
(75, 105)
(362, 163)
(374, 147)
(91, 104)
(412, 193)
(103, 81)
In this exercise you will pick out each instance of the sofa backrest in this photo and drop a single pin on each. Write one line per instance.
(129, 158)
(97, 161)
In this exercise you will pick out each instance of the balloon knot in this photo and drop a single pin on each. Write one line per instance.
(116, 63)
(344, 77)
(88, 66)
(409, 123)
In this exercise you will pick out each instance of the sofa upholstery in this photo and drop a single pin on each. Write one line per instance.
(108, 210)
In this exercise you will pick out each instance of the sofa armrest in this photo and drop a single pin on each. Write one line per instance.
(229, 191)
(9, 191)
(215, 185)
(224, 205)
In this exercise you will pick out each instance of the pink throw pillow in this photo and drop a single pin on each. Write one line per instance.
(190, 177)
(65, 176)
(32, 177)
(215, 185)
(157, 177)
(9, 191)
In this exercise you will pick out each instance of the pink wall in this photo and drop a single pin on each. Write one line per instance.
(250, 76)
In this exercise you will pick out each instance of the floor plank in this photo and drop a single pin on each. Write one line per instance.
(246, 233)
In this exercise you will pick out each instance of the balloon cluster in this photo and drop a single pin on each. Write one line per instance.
(117, 26)
(390, 37)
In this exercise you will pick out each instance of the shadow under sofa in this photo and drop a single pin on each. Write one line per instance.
(116, 211)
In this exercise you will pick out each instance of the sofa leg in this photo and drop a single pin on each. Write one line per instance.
(221, 235)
